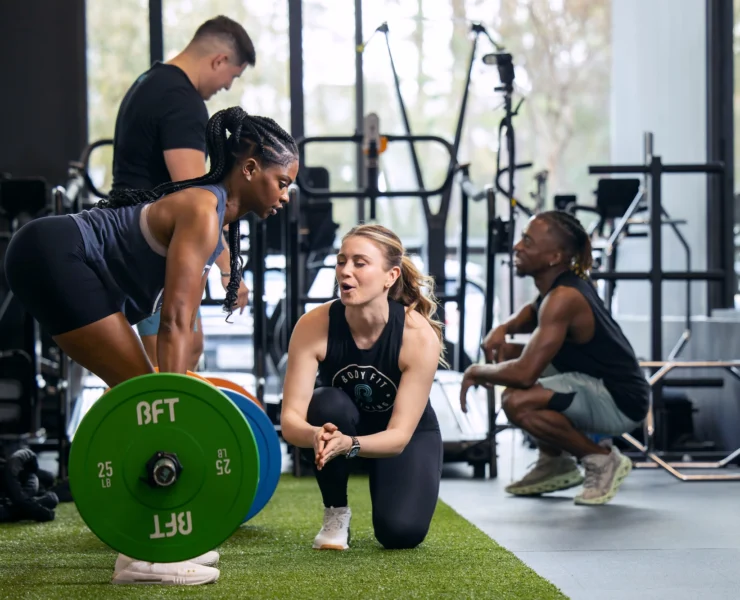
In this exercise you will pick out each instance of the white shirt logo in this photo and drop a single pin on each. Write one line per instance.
(370, 389)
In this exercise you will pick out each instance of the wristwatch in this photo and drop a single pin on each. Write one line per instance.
(354, 449)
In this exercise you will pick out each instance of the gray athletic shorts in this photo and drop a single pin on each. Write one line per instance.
(592, 409)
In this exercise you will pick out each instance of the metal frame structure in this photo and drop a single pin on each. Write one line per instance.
(156, 32)
(648, 448)
(368, 191)
(359, 107)
(720, 147)
(295, 33)
(436, 247)
(719, 118)
(640, 204)
(366, 176)
(653, 170)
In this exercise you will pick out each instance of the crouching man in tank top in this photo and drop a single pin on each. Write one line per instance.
(376, 351)
(577, 375)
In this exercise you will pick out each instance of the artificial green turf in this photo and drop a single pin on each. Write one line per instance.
(271, 557)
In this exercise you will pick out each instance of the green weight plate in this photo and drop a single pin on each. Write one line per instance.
(187, 421)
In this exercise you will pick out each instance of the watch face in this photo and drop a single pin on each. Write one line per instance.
(354, 451)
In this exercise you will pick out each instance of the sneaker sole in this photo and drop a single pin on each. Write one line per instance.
(331, 547)
(625, 466)
(554, 484)
(335, 546)
(159, 580)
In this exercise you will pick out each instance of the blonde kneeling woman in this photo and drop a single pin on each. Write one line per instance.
(376, 350)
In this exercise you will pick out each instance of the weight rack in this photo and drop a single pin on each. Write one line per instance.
(653, 170)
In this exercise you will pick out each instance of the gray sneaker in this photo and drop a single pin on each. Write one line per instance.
(550, 474)
(604, 474)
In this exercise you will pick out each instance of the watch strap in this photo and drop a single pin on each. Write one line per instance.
(354, 448)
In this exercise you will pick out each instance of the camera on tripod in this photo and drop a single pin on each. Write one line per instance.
(505, 65)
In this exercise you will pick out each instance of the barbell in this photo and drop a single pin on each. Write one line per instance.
(165, 467)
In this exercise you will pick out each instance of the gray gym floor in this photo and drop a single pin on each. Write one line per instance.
(659, 538)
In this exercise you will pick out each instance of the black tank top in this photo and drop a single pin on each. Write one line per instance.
(607, 356)
(369, 377)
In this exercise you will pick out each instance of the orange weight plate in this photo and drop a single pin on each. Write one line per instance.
(190, 373)
(230, 385)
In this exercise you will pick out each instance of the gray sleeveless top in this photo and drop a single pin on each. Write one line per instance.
(120, 249)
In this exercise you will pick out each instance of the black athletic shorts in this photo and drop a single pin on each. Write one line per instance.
(46, 271)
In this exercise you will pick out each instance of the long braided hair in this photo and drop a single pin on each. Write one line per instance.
(251, 136)
(575, 240)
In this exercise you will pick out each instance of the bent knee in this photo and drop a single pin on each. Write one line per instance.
(197, 351)
(512, 401)
(150, 347)
(394, 534)
(198, 348)
(329, 405)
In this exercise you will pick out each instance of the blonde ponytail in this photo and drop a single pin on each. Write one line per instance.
(408, 289)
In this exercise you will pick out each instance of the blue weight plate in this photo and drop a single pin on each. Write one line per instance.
(268, 445)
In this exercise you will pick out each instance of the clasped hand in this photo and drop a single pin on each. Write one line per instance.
(328, 443)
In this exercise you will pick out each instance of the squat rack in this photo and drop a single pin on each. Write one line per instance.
(653, 170)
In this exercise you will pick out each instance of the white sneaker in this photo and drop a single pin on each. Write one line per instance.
(209, 559)
(128, 571)
(334, 534)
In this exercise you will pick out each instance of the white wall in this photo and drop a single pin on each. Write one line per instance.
(659, 85)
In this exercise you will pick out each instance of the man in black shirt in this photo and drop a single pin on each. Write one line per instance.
(577, 375)
(160, 133)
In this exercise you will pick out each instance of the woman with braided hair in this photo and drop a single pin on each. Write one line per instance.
(577, 375)
(88, 277)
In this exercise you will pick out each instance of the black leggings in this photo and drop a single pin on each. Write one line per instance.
(403, 489)
(46, 270)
